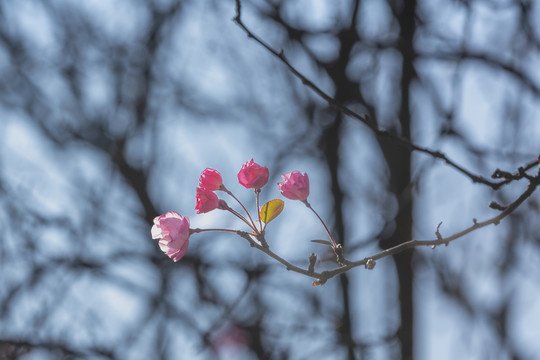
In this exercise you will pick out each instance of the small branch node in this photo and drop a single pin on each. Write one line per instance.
(340, 255)
(312, 261)
(439, 236)
(243, 234)
(325, 275)
(370, 264)
(498, 174)
(262, 240)
(438, 233)
(246, 236)
(496, 206)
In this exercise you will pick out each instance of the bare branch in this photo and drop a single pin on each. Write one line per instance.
(369, 262)
(379, 132)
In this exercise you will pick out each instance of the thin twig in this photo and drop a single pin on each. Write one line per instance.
(379, 132)
(369, 261)
(440, 240)
(275, 256)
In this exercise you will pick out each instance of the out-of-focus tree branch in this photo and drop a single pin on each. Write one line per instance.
(364, 118)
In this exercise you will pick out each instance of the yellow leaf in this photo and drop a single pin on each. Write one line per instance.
(271, 210)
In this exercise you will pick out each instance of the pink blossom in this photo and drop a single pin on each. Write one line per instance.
(253, 175)
(211, 179)
(294, 186)
(207, 200)
(173, 232)
(230, 337)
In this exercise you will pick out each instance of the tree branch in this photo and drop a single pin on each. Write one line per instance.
(379, 132)
(369, 262)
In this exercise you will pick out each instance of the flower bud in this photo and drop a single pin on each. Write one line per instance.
(173, 232)
(207, 200)
(294, 186)
(210, 179)
(370, 264)
(253, 175)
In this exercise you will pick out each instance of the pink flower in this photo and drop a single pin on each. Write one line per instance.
(294, 186)
(207, 200)
(253, 175)
(230, 337)
(210, 179)
(173, 232)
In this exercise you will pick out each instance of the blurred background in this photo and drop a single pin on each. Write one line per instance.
(110, 110)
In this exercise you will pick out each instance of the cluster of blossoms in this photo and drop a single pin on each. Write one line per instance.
(173, 230)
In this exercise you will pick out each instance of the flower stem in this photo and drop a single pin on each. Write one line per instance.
(334, 245)
(199, 230)
(257, 192)
(223, 206)
(252, 225)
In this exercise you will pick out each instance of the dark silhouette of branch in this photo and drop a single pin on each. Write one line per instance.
(381, 133)
(15, 348)
(485, 59)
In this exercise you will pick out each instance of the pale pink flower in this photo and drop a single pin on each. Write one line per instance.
(232, 337)
(173, 232)
(207, 200)
(253, 175)
(211, 179)
(294, 186)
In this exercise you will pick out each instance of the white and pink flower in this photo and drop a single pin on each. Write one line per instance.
(172, 230)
